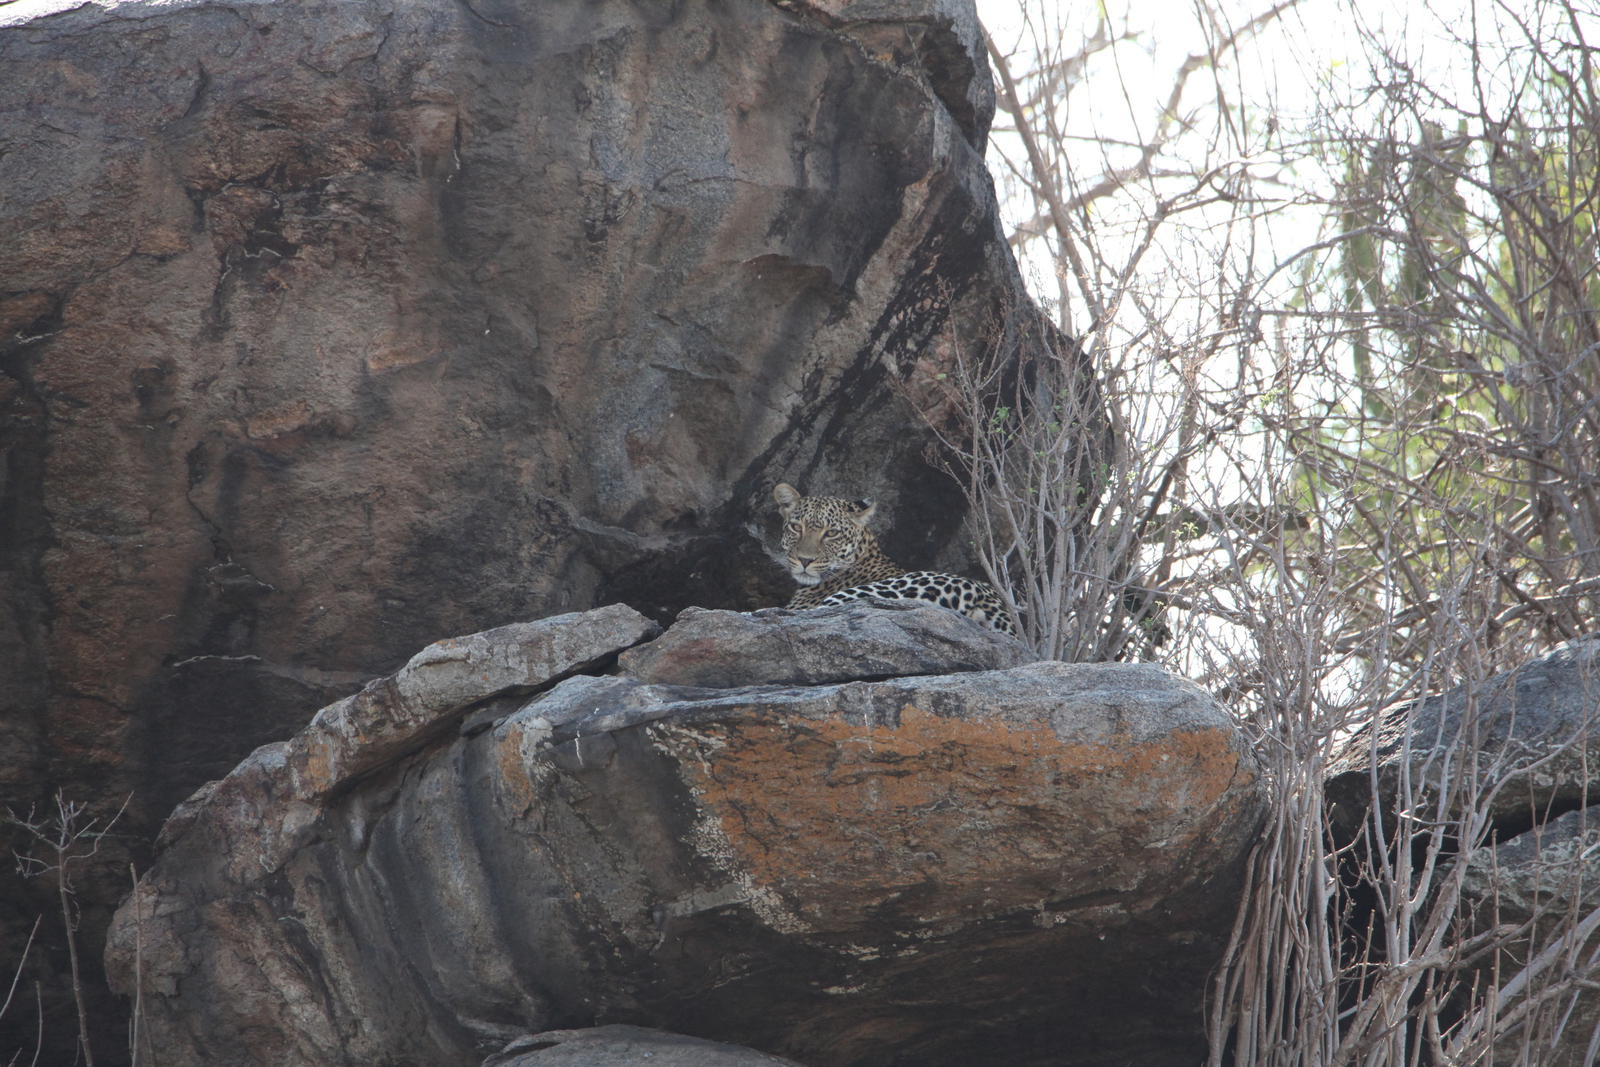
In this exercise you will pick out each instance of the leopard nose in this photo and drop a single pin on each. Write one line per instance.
(805, 557)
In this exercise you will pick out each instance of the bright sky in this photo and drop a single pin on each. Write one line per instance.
(1127, 87)
(15, 11)
(1277, 75)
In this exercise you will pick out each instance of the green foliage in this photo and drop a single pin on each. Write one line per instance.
(1459, 407)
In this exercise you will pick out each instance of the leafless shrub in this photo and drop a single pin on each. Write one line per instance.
(1058, 511)
(16, 979)
(1370, 474)
(1361, 946)
(66, 837)
(139, 1047)
(1468, 298)
(1075, 453)
(1445, 428)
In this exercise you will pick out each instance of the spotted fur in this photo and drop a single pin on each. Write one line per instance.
(975, 600)
(835, 559)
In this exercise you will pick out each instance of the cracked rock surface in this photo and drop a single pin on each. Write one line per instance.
(331, 328)
(626, 1046)
(1028, 865)
(1536, 725)
(721, 649)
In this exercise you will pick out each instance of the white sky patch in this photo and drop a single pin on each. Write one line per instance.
(15, 12)
(1276, 82)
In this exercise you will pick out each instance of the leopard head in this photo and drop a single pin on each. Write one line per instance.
(822, 534)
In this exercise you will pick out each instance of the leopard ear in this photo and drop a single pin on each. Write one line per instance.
(787, 497)
(862, 510)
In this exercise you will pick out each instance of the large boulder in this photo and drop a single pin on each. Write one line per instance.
(777, 646)
(1534, 727)
(626, 1046)
(329, 329)
(1541, 886)
(1030, 865)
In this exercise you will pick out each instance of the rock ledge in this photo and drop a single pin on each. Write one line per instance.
(916, 869)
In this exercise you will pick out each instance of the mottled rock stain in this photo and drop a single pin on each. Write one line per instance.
(795, 799)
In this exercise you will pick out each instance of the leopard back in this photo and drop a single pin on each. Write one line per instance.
(975, 600)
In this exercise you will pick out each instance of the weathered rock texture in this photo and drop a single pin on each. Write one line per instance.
(1020, 866)
(626, 1046)
(1548, 879)
(1543, 716)
(722, 649)
(331, 328)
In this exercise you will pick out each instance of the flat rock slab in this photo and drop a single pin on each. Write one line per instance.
(627, 1046)
(398, 714)
(284, 785)
(1032, 865)
(848, 642)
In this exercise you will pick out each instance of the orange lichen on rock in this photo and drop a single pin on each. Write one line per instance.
(982, 814)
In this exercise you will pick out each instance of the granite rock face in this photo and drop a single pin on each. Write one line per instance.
(626, 1046)
(1029, 865)
(1543, 717)
(777, 646)
(329, 329)
(1547, 882)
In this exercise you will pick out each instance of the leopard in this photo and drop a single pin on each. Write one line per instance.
(835, 559)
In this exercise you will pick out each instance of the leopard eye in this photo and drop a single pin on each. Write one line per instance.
(792, 527)
(832, 535)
